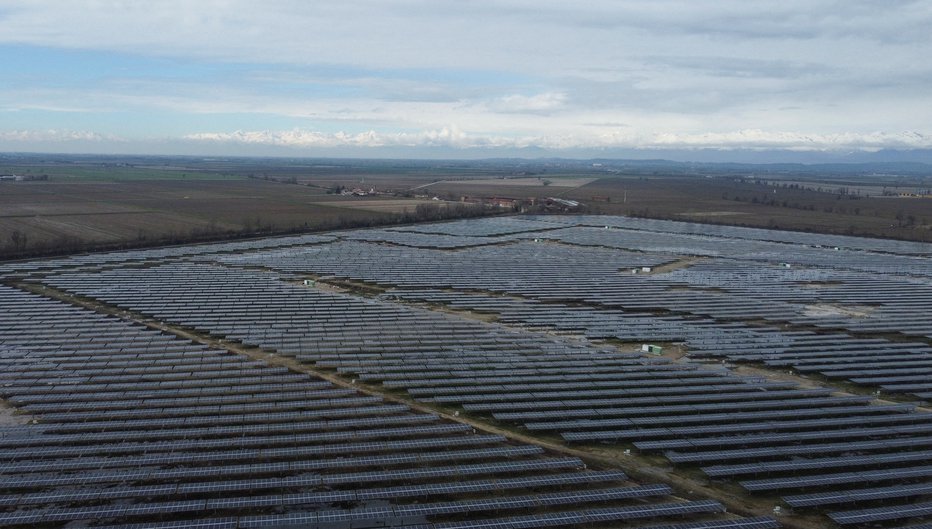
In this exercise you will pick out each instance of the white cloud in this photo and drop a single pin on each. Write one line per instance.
(53, 135)
(444, 137)
(452, 137)
(759, 139)
(535, 104)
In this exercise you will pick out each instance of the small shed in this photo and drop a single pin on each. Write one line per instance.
(652, 349)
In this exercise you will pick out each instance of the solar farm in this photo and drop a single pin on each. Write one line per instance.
(495, 373)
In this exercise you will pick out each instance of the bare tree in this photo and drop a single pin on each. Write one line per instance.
(18, 239)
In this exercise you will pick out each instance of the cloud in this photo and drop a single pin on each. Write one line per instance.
(759, 139)
(52, 135)
(452, 137)
(539, 37)
(445, 137)
(535, 104)
(738, 67)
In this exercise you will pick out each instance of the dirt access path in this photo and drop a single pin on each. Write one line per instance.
(686, 483)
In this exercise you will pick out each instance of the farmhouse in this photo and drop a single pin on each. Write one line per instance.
(502, 202)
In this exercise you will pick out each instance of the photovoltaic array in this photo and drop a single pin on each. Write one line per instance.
(510, 320)
(124, 425)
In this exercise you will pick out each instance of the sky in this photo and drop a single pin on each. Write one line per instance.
(465, 77)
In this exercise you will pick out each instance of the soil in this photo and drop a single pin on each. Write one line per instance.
(828, 310)
(10, 416)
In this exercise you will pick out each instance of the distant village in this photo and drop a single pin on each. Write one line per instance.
(516, 204)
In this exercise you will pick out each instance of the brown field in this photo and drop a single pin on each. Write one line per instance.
(731, 201)
(387, 205)
(48, 213)
(760, 205)
(521, 182)
(100, 227)
(110, 202)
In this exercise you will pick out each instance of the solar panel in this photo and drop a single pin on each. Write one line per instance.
(881, 514)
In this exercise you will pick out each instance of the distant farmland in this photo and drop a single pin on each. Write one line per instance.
(89, 214)
(105, 202)
(721, 200)
(109, 212)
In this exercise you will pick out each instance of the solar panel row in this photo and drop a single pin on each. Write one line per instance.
(123, 438)
(563, 384)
